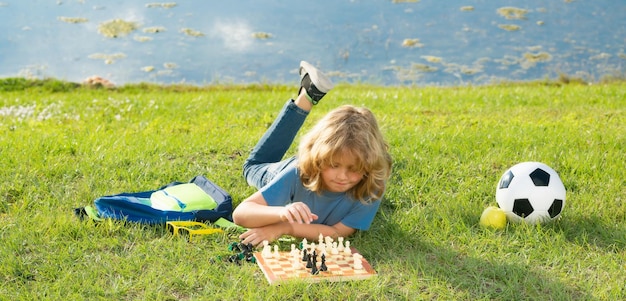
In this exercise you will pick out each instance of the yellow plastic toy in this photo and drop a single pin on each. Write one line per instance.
(190, 228)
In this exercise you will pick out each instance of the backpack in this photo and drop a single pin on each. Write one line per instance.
(198, 200)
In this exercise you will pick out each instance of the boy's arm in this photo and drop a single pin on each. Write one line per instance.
(256, 236)
(270, 222)
(312, 231)
(254, 212)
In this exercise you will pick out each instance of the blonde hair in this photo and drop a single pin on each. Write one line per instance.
(355, 131)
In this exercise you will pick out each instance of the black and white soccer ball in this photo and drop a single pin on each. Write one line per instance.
(531, 192)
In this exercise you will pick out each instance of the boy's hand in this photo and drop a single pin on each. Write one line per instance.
(256, 236)
(297, 213)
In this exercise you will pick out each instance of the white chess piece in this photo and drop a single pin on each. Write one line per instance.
(267, 251)
(295, 260)
(340, 244)
(329, 244)
(347, 249)
(358, 261)
(276, 254)
(334, 250)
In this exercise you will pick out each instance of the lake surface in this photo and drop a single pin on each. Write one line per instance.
(427, 42)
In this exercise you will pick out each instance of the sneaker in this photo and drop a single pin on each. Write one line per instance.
(315, 83)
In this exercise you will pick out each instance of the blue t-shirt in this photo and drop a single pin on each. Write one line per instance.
(330, 207)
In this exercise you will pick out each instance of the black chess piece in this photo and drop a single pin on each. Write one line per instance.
(309, 262)
(314, 269)
(304, 255)
(323, 266)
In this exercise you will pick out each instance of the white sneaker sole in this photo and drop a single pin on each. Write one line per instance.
(319, 79)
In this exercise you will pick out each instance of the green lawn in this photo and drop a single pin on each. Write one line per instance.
(63, 146)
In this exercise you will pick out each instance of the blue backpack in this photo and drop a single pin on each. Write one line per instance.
(199, 200)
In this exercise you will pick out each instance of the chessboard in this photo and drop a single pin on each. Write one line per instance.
(340, 267)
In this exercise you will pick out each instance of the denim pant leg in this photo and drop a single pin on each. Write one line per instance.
(264, 161)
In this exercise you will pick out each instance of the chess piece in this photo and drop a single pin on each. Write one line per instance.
(276, 254)
(328, 243)
(305, 256)
(340, 244)
(309, 261)
(295, 261)
(335, 249)
(323, 266)
(314, 270)
(347, 249)
(267, 251)
(358, 261)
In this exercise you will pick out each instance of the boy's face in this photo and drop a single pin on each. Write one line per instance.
(342, 175)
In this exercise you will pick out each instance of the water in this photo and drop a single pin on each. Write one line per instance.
(199, 42)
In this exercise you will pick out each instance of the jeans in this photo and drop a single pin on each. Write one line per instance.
(266, 159)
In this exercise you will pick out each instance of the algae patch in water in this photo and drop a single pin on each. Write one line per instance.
(409, 43)
(142, 38)
(456, 69)
(423, 68)
(412, 73)
(432, 59)
(512, 13)
(537, 57)
(192, 33)
(261, 35)
(530, 60)
(170, 65)
(73, 20)
(162, 5)
(116, 28)
(600, 56)
(154, 29)
(107, 58)
(510, 27)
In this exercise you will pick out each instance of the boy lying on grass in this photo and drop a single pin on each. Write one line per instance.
(334, 185)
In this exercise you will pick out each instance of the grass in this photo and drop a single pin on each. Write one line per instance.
(62, 146)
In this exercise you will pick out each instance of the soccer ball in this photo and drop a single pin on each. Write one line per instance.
(531, 192)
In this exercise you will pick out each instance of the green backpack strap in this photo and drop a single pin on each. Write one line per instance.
(226, 224)
(88, 212)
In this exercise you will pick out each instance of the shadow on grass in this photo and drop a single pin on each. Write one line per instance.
(594, 230)
(581, 230)
(435, 265)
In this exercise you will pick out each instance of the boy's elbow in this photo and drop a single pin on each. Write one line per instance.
(239, 221)
(241, 218)
(238, 218)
